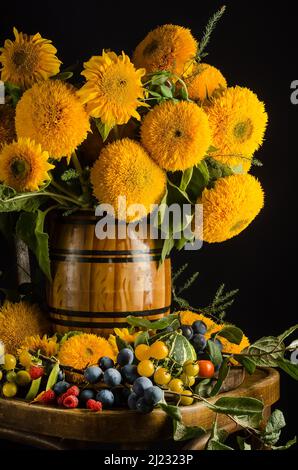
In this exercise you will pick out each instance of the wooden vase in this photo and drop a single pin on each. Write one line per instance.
(97, 283)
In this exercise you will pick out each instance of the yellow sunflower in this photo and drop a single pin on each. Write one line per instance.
(48, 346)
(176, 135)
(18, 320)
(125, 335)
(168, 47)
(113, 90)
(28, 59)
(204, 81)
(125, 169)
(24, 165)
(7, 127)
(51, 114)
(82, 350)
(230, 206)
(238, 122)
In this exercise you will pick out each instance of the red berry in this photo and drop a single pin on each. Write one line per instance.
(94, 405)
(48, 396)
(36, 372)
(74, 390)
(70, 401)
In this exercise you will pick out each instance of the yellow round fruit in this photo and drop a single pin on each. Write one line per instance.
(1, 374)
(142, 352)
(146, 368)
(162, 376)
(9, 362)
(23, 377)
(191, 368)
(186, 400)
(176, 385)
(9, 390)
(159, 350)
(188, 380)
(25, 358)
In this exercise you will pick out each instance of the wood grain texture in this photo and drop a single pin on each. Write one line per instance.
(97, 283)
(127, 427)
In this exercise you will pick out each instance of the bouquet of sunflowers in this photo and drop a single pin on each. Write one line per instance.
(161, 127)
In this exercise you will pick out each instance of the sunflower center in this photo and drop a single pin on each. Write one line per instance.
(178, 133)
(238, 225)
(88, 352)
(19, 58)
(122, 82)
(151, 47)
(19, 168)
(243, 130)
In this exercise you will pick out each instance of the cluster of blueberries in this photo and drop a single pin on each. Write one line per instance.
(196, 336)
(143, 396)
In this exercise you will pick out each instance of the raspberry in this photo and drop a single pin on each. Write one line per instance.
(74, 390)
(94, 405)
(36, 372)
(70, 401)
(48, 396)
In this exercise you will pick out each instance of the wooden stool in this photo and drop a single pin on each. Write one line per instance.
(54, 428)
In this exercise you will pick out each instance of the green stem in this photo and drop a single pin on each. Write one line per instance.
(62, 189)
(79, 169)
(54, 196)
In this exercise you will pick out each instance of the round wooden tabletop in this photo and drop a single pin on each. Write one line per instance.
(121, 426)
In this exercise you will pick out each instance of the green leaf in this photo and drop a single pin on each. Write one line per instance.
(103, 129)
(11, 201)
(154, 325)
(232, 334)
(289, 367)
(270, 345)
(160, 78)
(34, 389)
(186, 177)
(237, 406)
(243, 445)
(198, 182)
(216, 445)
(30, 229)
(286, 446)
(142, 338)
(53, 376)
(68, 335)
(287, 333)
(203, 388)
(214, 353)
(63, 76)
(176, 195)
(251, 421)
(246, 362)
(222, 374)
(121, 344)
(14, 92)
(184, 433)
(172, 411)
(168, 244)
(166, 91)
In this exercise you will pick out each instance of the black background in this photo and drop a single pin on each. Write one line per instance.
(253, 46)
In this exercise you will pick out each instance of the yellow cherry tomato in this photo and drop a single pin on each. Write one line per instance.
(186, 400)
(191, 368)
(176, 385)
(1, 374)
(25, 359)
(162, 376)
(23, 377)
(188, 380)
(9, 362)
(146, 368)
(11, 376)
(142, 352)
(9, 389)
(159, 350)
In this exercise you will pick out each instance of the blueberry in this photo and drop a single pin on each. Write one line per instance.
(61, 387)
(199, 327)
(61, 376)
(86, 395)
(132, 401)
(153, 395)
(129, 373)
(106, 397)
(187, 331)
(141, 384)
(105, 363)
(93, 374)
(199, 342)
(112, 377)
(142, 406)
(125, 356)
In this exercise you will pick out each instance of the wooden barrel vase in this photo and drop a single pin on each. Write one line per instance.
(97, 283)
